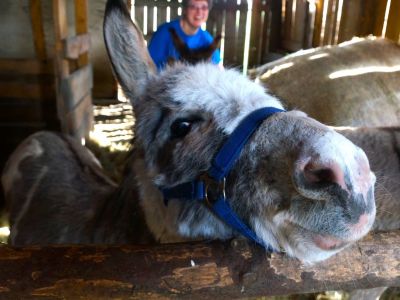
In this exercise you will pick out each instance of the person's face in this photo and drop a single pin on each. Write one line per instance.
(196, 13)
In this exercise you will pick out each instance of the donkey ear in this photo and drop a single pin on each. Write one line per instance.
(131, 62)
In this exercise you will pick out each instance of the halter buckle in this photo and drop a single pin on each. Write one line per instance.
(217, 188)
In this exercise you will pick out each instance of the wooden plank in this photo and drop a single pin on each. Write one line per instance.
(213, 270)
(27, 110)
(350, 22)
(150, 17)
(26, 66)
(161, 15)
(330, 15)
(31, 90)
(81, 27)
(241, 36)
(287, 26)
(309, 24)
(393, 23)
(76, 46)
(216, 20)
(275, 25)
(139, 20)
(255, 35)
(80, 119)
(369, 16)
(76, 86)
(380, 17)
(230, 58)
(38, 29)
(318, 23)
(335, 12)
(298, 28)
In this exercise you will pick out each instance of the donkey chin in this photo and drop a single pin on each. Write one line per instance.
(311, 244)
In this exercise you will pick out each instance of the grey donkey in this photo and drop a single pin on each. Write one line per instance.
(298, 185)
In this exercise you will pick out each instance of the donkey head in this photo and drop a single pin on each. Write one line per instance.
(193, 56)
(297, 184)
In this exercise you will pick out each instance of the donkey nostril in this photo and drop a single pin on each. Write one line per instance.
(323, 173)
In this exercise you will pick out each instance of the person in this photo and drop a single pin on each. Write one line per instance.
(188, 27)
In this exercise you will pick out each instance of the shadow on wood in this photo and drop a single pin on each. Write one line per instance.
(192, 270)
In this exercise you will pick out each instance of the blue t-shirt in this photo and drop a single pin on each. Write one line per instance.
(161, 46)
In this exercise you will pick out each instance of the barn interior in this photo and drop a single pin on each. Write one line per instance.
(55, 73)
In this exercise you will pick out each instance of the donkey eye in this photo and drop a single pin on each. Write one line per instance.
(180, 128)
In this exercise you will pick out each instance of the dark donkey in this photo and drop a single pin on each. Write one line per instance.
(193, 56)
(293, 184)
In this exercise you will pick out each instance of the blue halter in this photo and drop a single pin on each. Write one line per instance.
(214, 178)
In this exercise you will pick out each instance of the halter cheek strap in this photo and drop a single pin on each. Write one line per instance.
(214, 178)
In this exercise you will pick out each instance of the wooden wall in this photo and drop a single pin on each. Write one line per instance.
(49, 89)
(280, 27)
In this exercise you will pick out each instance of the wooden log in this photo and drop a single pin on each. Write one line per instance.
(212, 270)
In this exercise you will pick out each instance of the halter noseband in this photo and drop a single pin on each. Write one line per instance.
(214, 179)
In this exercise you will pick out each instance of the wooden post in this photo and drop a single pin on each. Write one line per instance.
(212, 270)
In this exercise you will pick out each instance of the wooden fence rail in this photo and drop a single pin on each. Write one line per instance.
(212, 270)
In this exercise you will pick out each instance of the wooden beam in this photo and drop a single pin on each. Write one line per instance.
(81, 26)
(27, 90)
(37, 29)
(76, 46)
(26, 66)
(212, 270)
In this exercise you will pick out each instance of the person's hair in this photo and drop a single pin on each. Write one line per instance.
(185, 3)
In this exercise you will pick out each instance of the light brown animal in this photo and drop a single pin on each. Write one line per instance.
(355, 83)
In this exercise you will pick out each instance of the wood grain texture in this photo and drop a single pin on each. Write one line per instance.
(191, 270)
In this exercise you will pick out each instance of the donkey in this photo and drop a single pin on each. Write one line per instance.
(215, 156)
(193, 56)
